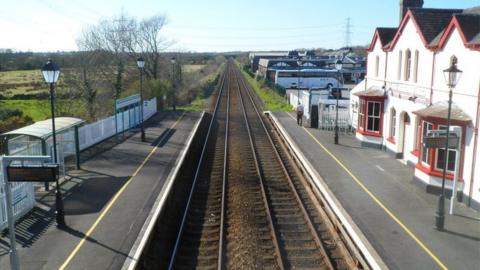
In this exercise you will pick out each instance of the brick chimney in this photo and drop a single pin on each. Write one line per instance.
(405, 4)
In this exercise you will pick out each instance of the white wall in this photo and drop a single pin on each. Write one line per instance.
(465, 95)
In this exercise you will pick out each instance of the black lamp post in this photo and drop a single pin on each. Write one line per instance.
(338, 67)
(173, 81)
(452, 75)
(141, 65)
(51, 72)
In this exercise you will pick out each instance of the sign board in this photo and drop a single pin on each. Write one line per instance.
(46, 173)
(440, 141)
(125, 102)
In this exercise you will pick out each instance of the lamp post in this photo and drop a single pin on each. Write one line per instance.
(51, 72)
(452, 75)
(299, 64)
(141, 66)
(173, 81)
(338, 67)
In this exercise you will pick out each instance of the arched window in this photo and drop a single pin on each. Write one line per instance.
(399, 70)
(415, 67)
(408, 65)
(393, 122)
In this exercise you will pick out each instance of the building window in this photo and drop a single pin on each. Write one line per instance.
(415, 67)
(373, 116)
(399, 70)
(440, 159)
(377, 65)
(393, 122)
(425, 151)
(408, 65)
(361, 114)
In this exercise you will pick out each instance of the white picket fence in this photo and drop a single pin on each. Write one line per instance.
(96, 132)
(23, 193)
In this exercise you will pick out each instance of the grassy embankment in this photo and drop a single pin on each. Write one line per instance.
(272, 100)
(208, 86)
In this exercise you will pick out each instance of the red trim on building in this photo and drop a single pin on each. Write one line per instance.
(391, 139)
(407, 16)
(363, 130)
(430, 169)
(454, 24)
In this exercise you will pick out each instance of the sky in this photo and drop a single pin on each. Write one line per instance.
(208, 25)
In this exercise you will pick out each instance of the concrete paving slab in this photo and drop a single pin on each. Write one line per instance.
(395, 215)
(137, 169)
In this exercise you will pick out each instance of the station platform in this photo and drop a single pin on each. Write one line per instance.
(395, 215)
(106, 202)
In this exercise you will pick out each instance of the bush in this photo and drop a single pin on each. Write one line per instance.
(7, 113)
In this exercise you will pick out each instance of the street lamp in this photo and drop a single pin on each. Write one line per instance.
(452, 75)
(51, 72)
(299, 64)
(141, 66)
(173, 81)
(338, 67)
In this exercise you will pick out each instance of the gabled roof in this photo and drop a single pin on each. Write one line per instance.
(468, 26)
(385, 35)
(430, 22)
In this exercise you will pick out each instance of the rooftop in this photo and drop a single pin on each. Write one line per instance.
(43, 129)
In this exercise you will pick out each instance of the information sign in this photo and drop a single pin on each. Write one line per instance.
(46, 173)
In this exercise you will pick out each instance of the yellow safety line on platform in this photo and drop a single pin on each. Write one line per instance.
(376, 200)
(113, 200)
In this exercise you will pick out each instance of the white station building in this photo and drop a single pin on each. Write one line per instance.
(405, 94)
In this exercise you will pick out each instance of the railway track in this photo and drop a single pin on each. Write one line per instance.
(249, 206)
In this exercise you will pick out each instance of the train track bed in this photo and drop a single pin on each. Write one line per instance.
(250, 207)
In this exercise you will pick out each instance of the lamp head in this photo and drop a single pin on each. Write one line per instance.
(338, 64)
(140, 63)
(50, 72)
(172, 60)
(452, 74)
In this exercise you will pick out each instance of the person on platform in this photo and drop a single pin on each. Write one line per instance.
(299, 111)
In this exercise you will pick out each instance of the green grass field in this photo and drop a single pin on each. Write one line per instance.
(40, 109)
(192, 68)
(36, 109)
(21, 82)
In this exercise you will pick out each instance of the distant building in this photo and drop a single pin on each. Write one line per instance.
(256, 56)
(404, 94)
(268, 67)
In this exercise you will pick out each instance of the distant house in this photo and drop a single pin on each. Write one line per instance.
(256, 56)
(353, 67)
(404, 94)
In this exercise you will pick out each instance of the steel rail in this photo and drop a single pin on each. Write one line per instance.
(197, 172)
(224, 187)
(273, 232)
(307, 218)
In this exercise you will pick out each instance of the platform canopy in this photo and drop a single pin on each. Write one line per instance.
(440, 110)
(43, 129)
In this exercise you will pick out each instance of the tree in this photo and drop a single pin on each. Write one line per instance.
(112, 40)
(151, 43)
(82, 78)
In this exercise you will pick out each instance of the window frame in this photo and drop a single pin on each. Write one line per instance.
(399, 67)
(408, 66)
(424, 150)
(373, 116)
(393, 123)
